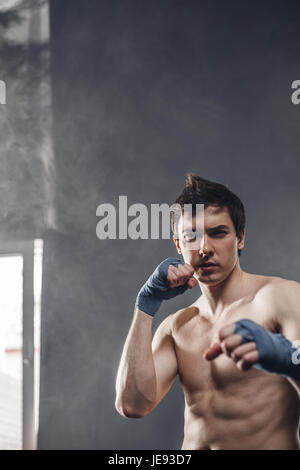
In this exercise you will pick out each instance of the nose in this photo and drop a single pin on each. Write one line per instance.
(205, 249)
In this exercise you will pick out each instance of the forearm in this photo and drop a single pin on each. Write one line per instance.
(136, 385)
(136, 378)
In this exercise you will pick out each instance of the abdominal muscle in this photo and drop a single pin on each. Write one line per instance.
(261, 415)
(226, 408)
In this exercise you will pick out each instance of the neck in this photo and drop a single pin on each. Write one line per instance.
(218, 297)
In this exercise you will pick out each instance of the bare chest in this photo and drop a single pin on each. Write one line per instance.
(197, 334)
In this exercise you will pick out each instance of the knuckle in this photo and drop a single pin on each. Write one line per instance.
(230, 343)
(237, 355)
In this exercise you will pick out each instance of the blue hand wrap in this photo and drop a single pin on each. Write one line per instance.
(156, 289)
(276, 354)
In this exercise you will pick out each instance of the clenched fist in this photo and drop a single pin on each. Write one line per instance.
(171, 278)
(249, 344)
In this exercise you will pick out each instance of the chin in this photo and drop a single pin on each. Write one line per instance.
(210, 279)
(206, 278)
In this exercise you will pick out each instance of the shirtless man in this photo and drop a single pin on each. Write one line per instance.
(240, 383)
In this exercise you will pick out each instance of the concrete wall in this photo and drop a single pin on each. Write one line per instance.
(26, 168)
(144, 92)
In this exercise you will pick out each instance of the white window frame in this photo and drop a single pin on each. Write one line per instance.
(26, 250)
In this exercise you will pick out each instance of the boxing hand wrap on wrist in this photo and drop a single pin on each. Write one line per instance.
(156, 289)
(276, 354)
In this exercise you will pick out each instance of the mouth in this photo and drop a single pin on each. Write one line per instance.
(207, 267)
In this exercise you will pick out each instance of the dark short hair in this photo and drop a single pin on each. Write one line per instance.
(202, 191)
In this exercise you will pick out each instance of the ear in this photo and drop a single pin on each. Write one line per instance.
(177, 244)
(241, 240)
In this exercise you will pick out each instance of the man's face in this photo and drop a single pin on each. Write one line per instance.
(213, 252)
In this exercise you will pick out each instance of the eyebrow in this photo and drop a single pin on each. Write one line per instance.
(212, 229)
(218, 227)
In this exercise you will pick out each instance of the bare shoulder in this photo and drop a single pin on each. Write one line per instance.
(173, 323)
(286, 298)
(287, 295)
(183, 319)
(277, 288)
(281, 297)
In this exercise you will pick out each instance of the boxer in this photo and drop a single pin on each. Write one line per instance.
(233, 349)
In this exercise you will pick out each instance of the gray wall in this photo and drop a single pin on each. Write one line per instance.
(144, 92)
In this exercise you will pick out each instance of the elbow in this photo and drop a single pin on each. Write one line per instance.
(129, 411)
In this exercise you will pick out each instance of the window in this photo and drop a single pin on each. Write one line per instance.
(20, 310)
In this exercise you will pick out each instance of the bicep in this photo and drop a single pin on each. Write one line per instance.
(290, 320)
(290, 312)
(165, 360)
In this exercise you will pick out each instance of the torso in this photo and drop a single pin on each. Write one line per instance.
(226, 408)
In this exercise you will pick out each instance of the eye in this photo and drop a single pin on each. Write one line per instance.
(189, 237)
(218, 233)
